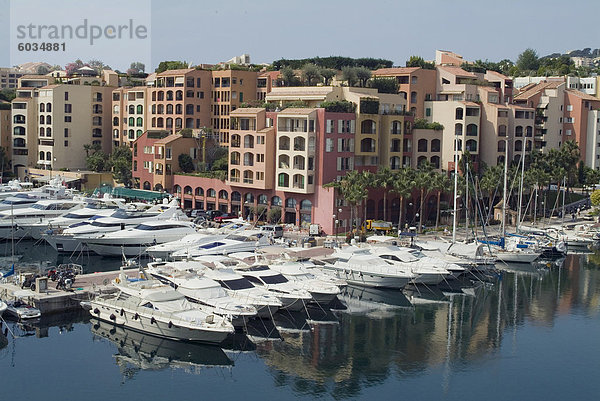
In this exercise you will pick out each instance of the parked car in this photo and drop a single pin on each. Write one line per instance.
(273, 231)
(225, 216)
(197, 213)
(211, 214)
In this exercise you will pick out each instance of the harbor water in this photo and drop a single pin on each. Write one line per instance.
(532, 333)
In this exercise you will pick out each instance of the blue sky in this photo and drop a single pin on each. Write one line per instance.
(209, 32)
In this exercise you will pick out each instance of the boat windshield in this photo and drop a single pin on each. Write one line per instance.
(101, 224)
(18, 201)
(77, 216)
(147, 227)
(236, 284)
(276, 279)
(211, 245)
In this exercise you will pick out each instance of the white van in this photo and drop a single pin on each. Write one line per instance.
(274, 231)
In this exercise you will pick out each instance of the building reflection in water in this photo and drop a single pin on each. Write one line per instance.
(375, 340)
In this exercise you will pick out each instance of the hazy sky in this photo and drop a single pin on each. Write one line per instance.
(209, 32)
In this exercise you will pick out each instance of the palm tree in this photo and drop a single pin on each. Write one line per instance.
(492, 182)
(352, 190)
(384, 179)
(402, 186)
(424, 181)
(366, 180)
(442, 184)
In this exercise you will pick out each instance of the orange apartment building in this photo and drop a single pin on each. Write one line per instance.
(417, 85)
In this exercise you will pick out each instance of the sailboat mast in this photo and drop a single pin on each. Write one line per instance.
(504, 192)
(467, 199)
(521, 186)
(455, 187)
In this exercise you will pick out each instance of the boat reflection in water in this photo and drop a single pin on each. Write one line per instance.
(376, 302)
(145, 352)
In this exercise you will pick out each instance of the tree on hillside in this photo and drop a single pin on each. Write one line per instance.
(120, 164)
(416, 61)
(289, 76)
(384, 84)
(363, 74)
(327, 74)
(528, 60)
(171, 65)
(311, 74)
(349, 75)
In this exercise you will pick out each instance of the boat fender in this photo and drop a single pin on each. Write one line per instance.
(117, 280)
(136, 317)
(170, 324)
(113, 317)
(97, 311)
(122, 312)
(152, 320)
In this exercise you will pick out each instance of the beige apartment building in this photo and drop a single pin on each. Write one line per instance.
(6, 132)
(129, 114)
(251, 150)
(53, 122)
(230, 88)
(9, 78)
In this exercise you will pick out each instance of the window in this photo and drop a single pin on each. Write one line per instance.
(66, 95)
(569, 107)
(67, 119)
(428, 112)
(568, 132)
(329, 126)
(569, 120)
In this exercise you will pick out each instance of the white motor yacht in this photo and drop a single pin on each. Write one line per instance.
(69, 240)
(134, 241)
(360, 267)
(243, 241)
(429, 270)
(21, 310)
(93, 207)
(188, 278)
(157, 309)
(203, 236)
(292, 296)
(15, 223)
(239, 287)
(323, 291)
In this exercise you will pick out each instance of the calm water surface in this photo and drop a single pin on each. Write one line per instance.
(533, 334)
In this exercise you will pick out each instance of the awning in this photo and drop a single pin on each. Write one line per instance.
(543, 104)
(179, 80)
(138, 194)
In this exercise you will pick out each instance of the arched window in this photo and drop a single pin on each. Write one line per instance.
(199, 191)
(459, 143)
(140, 109)
(49, 131)
(42, 120)
(284, 161)
(169, 123)
(248, 141)
(422, 145)
(500, 160)
(234, 158)
(299, 162)
(298, 181)
(367, 145)
(48, 107)
(262, 199)
(187, 190)
(502, 130)
(19, 142)
(223, 194)
(161, 96)
(368, 127)
(421, 160)
(161, 109)
(435, 145)
(472, 130)
(147, 185)
(396, 128)
(115, 121)
(178, 109)
(211, 193)
(290, 203)
(459, 113)
(234, 175)
(501, 146)
(131, 121)
(458, 129)
(19, 119)
(518, 145)
(179, 95)
(299, 144)
(139, 122)
(19, 131)
(284, 143)
(235, 141)
(435, 161)
(248, 159)
(529, 131)
(306, 205)
(236, 196)
(169, 95)
(395, 163)
(42, 131)
(159, 122)
(518, 131)
(42, 156)
(276, 201)
(249, 198)
(49, 156)
(42, 109)
(169, 109)
(283, 180)
(472, 145)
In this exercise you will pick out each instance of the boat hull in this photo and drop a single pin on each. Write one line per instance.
(158, 327)
(517, 257)
(373, 280)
